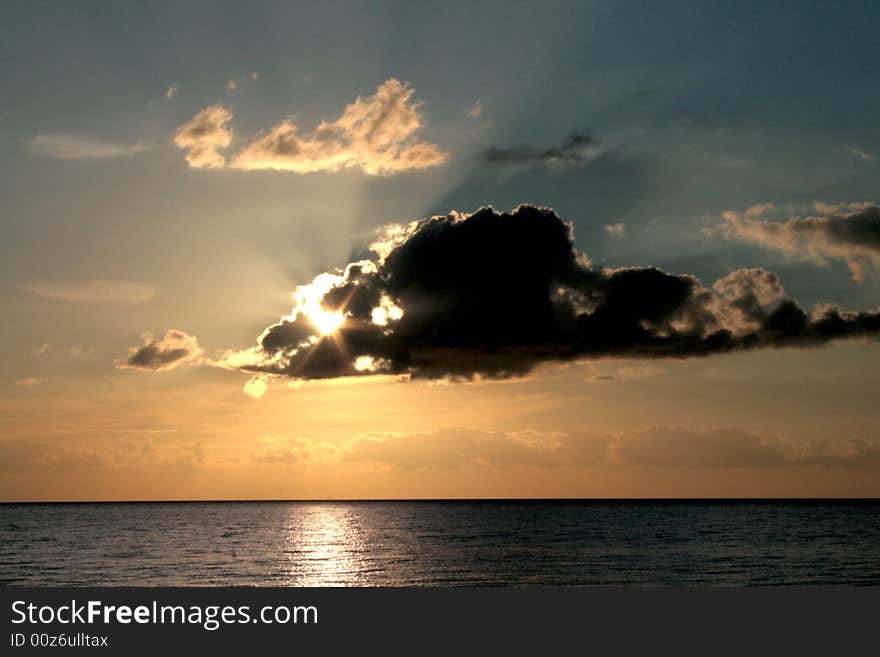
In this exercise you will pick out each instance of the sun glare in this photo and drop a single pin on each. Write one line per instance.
(308, 301)
(325, 322)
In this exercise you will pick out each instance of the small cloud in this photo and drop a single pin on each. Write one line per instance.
(204, 136)
(578, 149)
(256, 386)
(231, 85)
(92, 291)
(29, 382)
(42, 350)
(255, 76)
(171, 92)
(475, 111)
(862, 155)
(61, 146)
(616, 230)
(79, 351)
(629, 373)
(176, 349)
(638, 372)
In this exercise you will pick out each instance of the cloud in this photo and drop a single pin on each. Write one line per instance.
(457, 447)
(475, 110)
(204, 136)
(256, 386)
(578, 148)
(280, 449)
(658, 447)
(71, 147)
(831, 232)
(717, 448)
(858, 453)
(636, 373)
(231, 85)
(255, 76)
(92, 291)
(176, 349)
(36, 456)
(862, 155)
(627, 373)
(375, 134)
(79, 351)
(171, 91)
(74, 351)
(29, 382)
(494, 294)
(50, 455)
(42, 350)
(616, 230)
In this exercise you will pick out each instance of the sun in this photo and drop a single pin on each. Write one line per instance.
(326, 322)
(308, 300)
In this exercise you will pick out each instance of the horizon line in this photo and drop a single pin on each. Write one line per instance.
(454, 499)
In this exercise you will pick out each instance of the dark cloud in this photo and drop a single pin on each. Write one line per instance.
(578, 148)
(494, 294)
(174, 350)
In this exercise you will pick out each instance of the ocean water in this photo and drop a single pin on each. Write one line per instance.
(423, 543)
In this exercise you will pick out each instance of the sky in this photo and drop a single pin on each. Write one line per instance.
(398, 250)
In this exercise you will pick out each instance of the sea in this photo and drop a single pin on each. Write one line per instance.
(443, 543)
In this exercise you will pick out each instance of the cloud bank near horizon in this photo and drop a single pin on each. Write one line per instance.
(655, 447)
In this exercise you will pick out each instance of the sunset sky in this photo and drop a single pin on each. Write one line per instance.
(185, 184)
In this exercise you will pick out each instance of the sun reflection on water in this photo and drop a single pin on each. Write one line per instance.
(324, 546)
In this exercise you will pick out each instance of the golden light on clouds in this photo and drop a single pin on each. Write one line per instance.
(541, 273)
(375, 134)
(204, 136)
(256, 386)
(307, 301)
(820, 233)
(326, 322)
